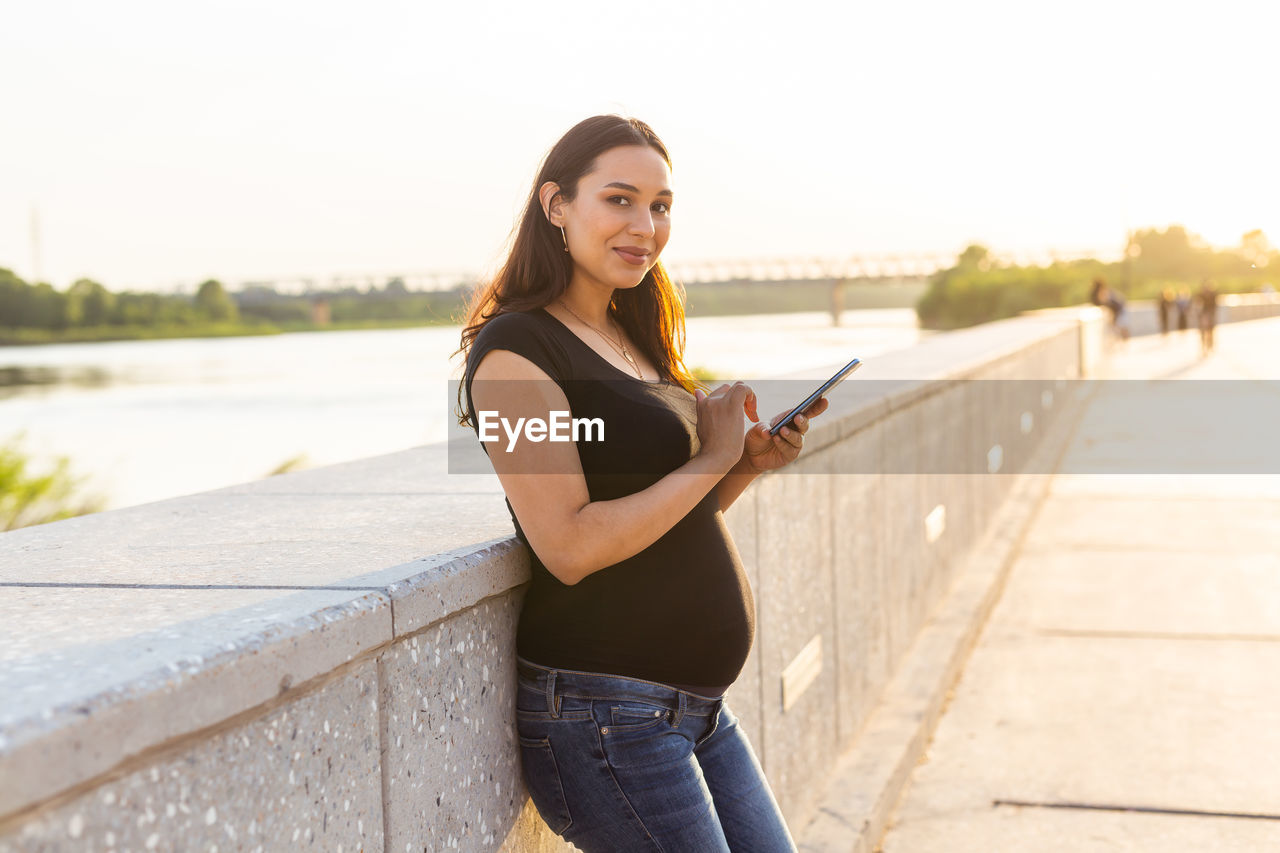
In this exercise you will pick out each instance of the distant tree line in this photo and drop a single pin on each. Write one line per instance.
(86, 303)
(978, 289)
(392, 303)
(88, 310)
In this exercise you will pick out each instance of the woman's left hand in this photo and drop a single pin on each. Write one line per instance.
(764, 452)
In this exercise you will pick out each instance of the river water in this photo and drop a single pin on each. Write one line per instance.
(146, 420)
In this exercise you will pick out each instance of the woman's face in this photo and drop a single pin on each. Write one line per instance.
(620, 219)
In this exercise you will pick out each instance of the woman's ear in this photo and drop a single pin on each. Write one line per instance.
(549, 195)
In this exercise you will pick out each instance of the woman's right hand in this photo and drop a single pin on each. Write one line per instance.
(720, 413)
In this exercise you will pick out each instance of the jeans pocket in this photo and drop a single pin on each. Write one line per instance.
(643, 736)
(542, 779)
(636, 716)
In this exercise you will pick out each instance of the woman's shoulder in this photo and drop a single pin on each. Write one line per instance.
(514, 322)
(525, 333)
(514, 326)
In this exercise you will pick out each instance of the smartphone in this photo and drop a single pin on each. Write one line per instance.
(813, 398)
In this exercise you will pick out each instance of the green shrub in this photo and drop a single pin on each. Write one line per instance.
(27, 499)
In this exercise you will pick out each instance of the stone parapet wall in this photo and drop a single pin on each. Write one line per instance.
(326, 658)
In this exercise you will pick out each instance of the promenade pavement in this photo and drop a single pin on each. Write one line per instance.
(1125, 693)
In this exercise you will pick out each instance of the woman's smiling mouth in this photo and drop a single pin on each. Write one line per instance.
(633, 255)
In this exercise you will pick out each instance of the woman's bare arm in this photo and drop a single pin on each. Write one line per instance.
(573, 535)
(735, 482)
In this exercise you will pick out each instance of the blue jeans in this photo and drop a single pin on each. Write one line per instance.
(614, 763)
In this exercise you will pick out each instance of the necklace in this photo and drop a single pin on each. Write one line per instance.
(620, 347)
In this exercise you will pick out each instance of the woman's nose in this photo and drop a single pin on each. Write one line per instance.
(642, 224)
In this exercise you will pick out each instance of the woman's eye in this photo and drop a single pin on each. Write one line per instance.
(658, 207)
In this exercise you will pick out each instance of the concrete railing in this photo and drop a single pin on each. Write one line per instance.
(327, 657)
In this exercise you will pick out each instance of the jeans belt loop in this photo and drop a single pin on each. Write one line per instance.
(684, 703)
(552, 705)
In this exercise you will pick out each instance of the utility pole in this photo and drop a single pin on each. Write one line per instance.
(35, 244)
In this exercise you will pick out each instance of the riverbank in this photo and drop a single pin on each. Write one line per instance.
(98, 334)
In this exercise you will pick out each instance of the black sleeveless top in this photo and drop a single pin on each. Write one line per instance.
(679, 612)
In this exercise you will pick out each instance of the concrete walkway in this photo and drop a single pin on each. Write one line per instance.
(1125, 694)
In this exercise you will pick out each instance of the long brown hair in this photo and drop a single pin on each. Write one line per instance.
(538, 270)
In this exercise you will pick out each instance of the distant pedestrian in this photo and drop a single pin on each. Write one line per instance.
(1166, 308)
(1207, 303)
(1114, 302)
(1183, 304)
(1098, 296)
(1120, 314)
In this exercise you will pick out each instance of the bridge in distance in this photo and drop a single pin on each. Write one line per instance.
(878, 268)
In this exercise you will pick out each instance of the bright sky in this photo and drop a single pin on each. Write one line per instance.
(164, 143)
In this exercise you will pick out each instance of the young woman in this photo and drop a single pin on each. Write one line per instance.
(639, 615)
